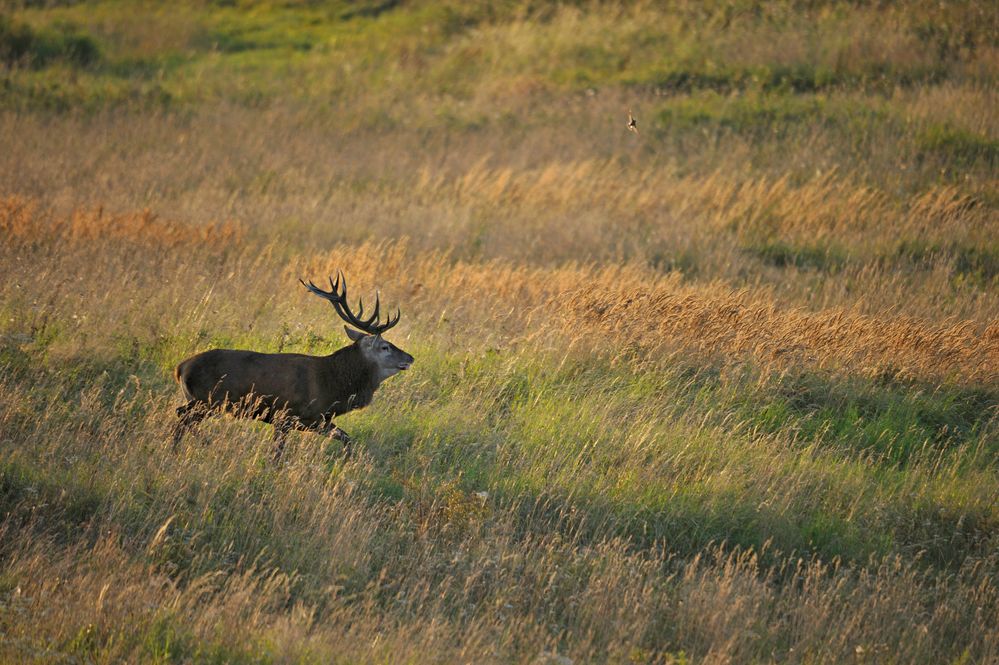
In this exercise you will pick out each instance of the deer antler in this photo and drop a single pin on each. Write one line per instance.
(337, 296)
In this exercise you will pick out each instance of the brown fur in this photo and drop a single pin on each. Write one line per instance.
(312, 389)
(289, 390)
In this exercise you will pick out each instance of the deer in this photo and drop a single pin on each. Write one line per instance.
(293, 391)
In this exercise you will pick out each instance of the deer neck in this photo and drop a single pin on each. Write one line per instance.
(354, 373)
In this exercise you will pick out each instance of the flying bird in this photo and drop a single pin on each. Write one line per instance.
(632, 123)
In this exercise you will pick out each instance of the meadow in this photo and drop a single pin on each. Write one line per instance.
(722, 391)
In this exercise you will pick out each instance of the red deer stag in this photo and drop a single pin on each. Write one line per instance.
(291, 390)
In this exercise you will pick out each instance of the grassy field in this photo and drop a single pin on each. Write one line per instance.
(724, 391)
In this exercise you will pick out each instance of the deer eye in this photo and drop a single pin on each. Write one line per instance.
(384, 347)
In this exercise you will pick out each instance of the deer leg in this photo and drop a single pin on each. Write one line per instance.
(340, 435)
(281, 429)
(189, 415)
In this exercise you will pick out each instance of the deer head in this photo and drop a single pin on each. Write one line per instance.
(387, 358)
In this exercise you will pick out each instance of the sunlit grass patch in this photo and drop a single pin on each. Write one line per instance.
(974, 263)
(21, 44)
(469, 50)
(781, 254)
(891, 422)
(721, 390)
(958, 146)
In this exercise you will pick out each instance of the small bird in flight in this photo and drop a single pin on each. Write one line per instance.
(632, 123)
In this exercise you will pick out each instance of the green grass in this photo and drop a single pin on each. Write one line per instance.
(528, 428)
(566, 469)
(782, 254)
(977, 264)
(164, 640)
(501, 69)
(958, 146)
(63, 42)
(333, 48)
(838, 469)
(889, 421)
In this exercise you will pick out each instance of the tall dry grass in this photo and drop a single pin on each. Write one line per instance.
(816, 241)
(116, 550)
(720, 392)
(487, 596)
(629, 309)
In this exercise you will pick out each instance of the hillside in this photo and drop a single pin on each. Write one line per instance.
(721, 391)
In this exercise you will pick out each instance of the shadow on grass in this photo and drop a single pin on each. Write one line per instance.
(428, 458)
(975, 264)
(891, 422)
(421, 459)
(782, 254)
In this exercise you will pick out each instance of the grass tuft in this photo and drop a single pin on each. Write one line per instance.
(722, 390)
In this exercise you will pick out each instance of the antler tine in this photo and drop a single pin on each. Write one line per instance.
(342, 308)
(316, 290)
(392, 321)
(374, 316)
(341, 281)
(337, 296)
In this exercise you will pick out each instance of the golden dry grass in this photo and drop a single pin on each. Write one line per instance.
(628, 310)
(230, 558)
(817, 241)
(21, 224)
(721, 392)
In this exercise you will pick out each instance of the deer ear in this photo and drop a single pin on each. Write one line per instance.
(354, 335)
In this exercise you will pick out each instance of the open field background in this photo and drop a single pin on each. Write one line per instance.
(725, 391)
